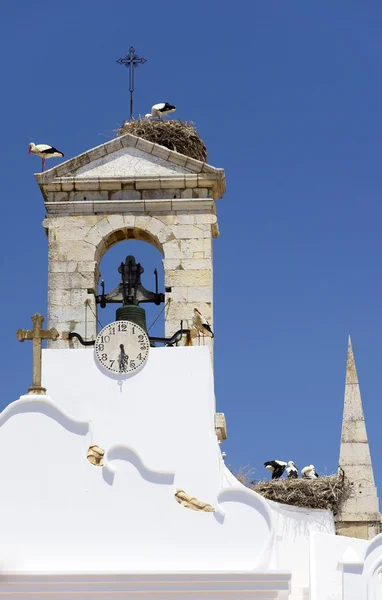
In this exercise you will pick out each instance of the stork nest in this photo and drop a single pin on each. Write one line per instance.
(328, 493)
(180, 136)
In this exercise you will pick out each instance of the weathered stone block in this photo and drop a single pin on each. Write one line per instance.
(116, 222)
(180, 311)
(206, 217)
(88, 196)
(126, 195)
(73, 234)
(189, 278)
(172, 249)
(67, 251)
(179, 294)
(57, 297)
(167, 219)
(187, 193)
(171, 263)
(188, 247)
(163, 235)
(70, 280)
(62, 266)
(349, 450)
(99, 231)
(160, 152)
(86, 185)
(191, 181)
(87, 266)
(111, 185)
(194, 165)
(58, 197)
(184, 219)
(155, 225)
(128, 140)
(113, 145)
(160, 194)
(142, 222)
(200, 294)
(129, 220)
(145, 145)
(200, 192)
(188, 231)
(354, 431)
(194, 263)
(178, 159)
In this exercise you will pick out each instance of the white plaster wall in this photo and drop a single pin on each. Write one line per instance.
(60, 513)
(326, 572)
(292, 528)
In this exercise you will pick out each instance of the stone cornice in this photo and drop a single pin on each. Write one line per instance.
(89, 207)
(195, 170)
(213, 181)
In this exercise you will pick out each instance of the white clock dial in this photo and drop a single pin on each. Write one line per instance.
(122, 347)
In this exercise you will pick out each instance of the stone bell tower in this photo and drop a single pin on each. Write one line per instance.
(129, 188)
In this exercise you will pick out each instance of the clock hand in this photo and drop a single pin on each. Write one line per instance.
(122, 359)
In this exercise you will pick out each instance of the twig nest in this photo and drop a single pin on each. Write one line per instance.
(192, 503)
(95, 455)
(180, 136)
(326, 493)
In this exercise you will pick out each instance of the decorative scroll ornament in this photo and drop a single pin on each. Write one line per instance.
(95, 455)
(192, 503)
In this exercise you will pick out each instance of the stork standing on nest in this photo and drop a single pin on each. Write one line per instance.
(292, 470)
(44, 151)
(309, 472)
(161, 110)
(276, 467)
(201, 325)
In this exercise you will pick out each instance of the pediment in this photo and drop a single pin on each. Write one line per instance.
(128, 162)
(128, 157)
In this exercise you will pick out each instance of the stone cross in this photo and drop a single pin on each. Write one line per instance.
(37, 335)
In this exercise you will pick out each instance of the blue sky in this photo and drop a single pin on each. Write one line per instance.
(287, 96)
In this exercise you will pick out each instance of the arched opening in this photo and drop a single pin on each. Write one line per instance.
(149, 257)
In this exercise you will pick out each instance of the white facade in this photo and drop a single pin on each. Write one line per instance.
(72, 527)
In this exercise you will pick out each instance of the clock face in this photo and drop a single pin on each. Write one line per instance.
(122, 347)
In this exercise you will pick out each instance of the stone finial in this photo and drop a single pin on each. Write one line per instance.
(351, 371)
(359, 515)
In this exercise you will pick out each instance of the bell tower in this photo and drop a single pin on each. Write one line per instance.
(129, 188)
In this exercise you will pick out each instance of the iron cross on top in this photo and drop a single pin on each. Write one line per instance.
(131, 61)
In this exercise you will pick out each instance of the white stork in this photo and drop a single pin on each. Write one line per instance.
(201, 324)
(161, 110)
(292, 470)
(309, 472)
(44, 151)
(276, 467)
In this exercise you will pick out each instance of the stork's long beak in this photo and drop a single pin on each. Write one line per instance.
(29, 151)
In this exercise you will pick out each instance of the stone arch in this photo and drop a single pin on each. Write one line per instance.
(112, 229)
(77, 244)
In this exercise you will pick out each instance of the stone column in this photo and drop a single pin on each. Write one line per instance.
(188, 270)
(72, 271)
